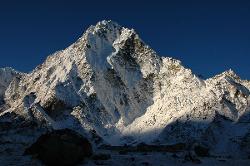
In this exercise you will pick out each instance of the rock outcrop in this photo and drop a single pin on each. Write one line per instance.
(61, 147)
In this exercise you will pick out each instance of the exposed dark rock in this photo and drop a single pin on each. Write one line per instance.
(4, 126)
(175, 156)
(145, 163)
(101, 156)
(192, 158)
(60, 147)
(54, 107)
(95, 137)
(142, 147)
(11, 120)
(123, 152)
(245, 143)
(1, 101)
(98, 162)
(201, 151)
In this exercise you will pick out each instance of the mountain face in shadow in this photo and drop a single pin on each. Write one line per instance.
(112, 88)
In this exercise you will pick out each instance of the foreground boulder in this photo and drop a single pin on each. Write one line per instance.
(61, 147)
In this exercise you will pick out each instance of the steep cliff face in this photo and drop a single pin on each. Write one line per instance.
(112, 83)
(6, 76)
(107, 73)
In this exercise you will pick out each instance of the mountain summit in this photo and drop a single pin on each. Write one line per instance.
(110, 83)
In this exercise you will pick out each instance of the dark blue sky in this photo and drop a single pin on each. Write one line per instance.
(207, 36)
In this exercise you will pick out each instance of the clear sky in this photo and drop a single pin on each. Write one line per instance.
(208, 36)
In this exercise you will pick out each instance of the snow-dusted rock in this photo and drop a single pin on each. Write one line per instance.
(112, 83)
(6, 76)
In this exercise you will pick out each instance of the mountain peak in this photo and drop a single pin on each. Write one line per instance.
(112, 83)
(108, 24)
(107, 30)
(230, 73)
(226, 74)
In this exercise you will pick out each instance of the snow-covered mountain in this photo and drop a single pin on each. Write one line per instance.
(111, 83)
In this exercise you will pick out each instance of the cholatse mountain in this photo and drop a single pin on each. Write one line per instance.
(113, 89)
